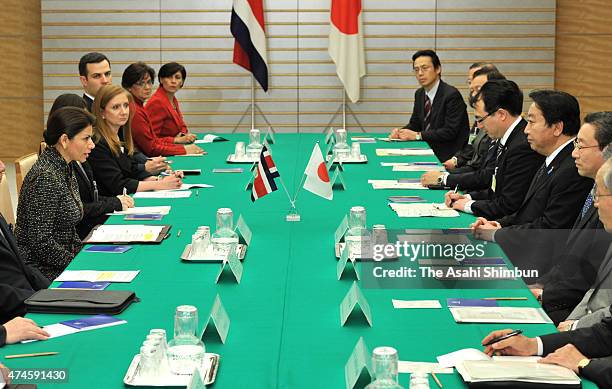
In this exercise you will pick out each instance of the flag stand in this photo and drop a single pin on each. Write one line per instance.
(253, 106)
(292, 215)
(342, 109)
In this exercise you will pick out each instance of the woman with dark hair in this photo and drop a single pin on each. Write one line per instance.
(163, 108)
(114, 167)
(95, 206)
(49, 204)
(138, 80)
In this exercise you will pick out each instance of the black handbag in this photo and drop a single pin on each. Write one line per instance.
(87, 302)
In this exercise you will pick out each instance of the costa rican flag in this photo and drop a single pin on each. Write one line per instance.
(265, 174)
(248, 27)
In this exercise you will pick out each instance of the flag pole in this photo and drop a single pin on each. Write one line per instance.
(344, 109)
(252, 102)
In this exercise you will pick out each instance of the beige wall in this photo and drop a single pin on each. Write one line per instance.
(21, 94)
(584, 52)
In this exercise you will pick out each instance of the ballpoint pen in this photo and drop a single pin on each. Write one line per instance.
(503, 337)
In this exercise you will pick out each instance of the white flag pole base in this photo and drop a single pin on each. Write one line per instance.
(293, 215)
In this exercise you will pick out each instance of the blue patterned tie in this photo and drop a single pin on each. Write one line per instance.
(588, 203)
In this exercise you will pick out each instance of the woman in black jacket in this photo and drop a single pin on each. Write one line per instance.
(95, 206)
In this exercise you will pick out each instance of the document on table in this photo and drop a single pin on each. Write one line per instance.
(418, 168)
(499, 315)
(98, 276)
(434, 238)
(161, 210)
(395, 184)
(78, 325)
(423, 210)
(209, 138)
(109, 233)
(466, 354)
(186, 187)
(496, 370)
(422, 367)
(170, 194)
(189, 155)
(403, 304)
(403, 152)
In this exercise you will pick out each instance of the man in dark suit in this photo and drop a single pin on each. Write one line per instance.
(94, 73)
(498, 108)
(586, 351)
(475, 174)
(439, 114)
(556, 192)
(18, 281)
(562, 288)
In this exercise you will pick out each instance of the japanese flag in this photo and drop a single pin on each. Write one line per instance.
(317, 177)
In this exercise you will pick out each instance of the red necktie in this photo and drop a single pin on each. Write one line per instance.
(427, 120)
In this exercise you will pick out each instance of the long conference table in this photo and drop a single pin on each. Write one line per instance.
(285, 328)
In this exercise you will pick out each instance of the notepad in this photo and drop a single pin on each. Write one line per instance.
(175, 194)
(423, 210)
(395, 184)
(109, 233)
(161, 210)
(499, 315)
(500, 370)
(403, 152)
(97, 276)
(210, 138)
(422, 367)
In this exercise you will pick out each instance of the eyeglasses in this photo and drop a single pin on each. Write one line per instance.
(143, 83)
(596, 195)
(579, 147)
(479, 119)
(423, 68)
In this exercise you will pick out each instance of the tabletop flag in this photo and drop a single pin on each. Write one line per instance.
(346, 44)
(248, 27)
(317, 177)
(265, 174)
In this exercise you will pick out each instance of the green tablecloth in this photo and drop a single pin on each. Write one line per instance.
(285, 331)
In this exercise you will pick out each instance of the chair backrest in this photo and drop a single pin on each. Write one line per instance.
(6, 205)
(23, 166)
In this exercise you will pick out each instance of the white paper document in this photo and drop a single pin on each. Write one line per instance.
(403, 152)
(418, 168)
(423, 210)
(466, 354)
(208, 138)
(97, 276)
(422, 367)
(499, 315)
(186, 187)
(403, 304)
(171, 194)
(58, 329)
(496, 370)
(189, 155)
(161, 210)
(395, 184)
(434, 238)
(109, 233)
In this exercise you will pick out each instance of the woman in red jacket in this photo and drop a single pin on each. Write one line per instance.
(138, 80)
(163, 108)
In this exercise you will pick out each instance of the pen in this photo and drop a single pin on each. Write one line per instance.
(504, 337)
(31, 355)
(124, 192)
(505, 298)
(435, 377)
(456, 188)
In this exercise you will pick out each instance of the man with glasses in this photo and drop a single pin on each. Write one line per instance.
(498, 108)
(439, 114)
(561, 289)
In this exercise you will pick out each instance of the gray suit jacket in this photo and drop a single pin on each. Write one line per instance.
(594, 306)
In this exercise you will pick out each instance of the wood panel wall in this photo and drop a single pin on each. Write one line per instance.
(584, 52)
(21, 94)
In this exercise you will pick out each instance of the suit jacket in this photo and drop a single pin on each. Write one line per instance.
(472, 156)
(576, 267)
(146, 139)
(94, 212)
(450, 127)
(594, 305)
(165, 120)
(475, 179)
(18, 281)
(594, 342)
(513, 172)
(88, 101)
(113, 173)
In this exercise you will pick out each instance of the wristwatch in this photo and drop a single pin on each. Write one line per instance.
(418, 136)
(582, 364)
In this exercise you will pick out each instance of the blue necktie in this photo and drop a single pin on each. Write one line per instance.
(588, 203)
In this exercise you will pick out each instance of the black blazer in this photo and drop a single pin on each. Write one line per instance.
(514, 170)
(88, 101)
(555, 200)
(113, 173)
(94, 212)
(473, 156)
(450, 127)
(18, 281)
(478, 179)
(576, 268)
(594, 342)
